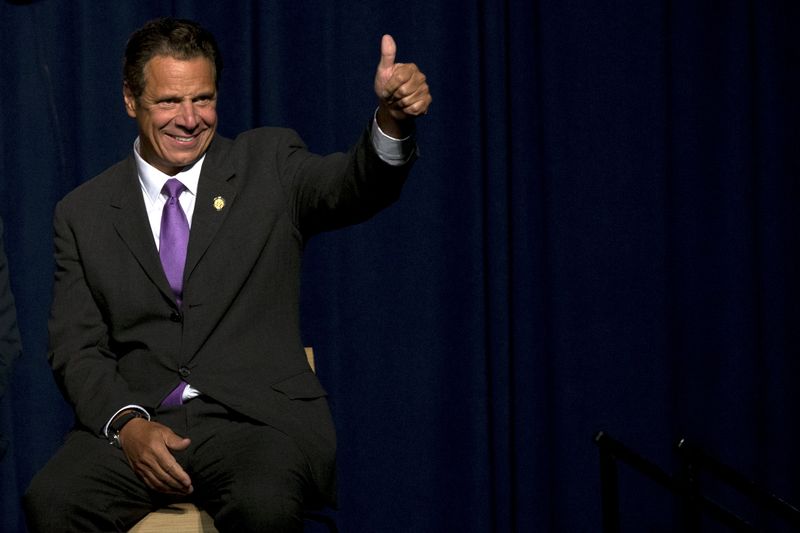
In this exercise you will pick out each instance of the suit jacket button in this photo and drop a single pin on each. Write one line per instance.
(184, 372)
(176, 316)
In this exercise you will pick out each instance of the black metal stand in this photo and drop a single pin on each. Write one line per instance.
(685, 486)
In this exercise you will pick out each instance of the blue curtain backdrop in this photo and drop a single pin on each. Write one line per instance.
(601, 234)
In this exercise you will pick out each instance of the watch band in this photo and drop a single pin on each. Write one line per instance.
(118, 423)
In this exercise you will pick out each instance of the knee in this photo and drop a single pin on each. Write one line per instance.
(261, 512)
(52, 504)
(46, 504)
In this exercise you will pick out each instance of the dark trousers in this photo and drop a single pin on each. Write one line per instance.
(248, 476)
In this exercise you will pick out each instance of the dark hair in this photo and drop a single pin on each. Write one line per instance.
(177, 38)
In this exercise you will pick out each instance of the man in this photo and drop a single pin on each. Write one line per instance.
(9, 334)
(198, 378)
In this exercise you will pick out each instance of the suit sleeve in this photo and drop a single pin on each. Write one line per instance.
(83, 365)
(337, 190)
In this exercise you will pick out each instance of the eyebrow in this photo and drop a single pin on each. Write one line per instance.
(175, 98)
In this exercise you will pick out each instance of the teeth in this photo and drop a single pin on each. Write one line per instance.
(184, 139)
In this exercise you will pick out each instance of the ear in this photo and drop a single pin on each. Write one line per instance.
(130, 100)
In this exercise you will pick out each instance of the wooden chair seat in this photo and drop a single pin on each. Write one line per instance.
(176, 518)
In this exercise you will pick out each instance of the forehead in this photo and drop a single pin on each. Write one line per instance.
(168, 74)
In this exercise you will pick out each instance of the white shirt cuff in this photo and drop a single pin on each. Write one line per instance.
(137, 407)
(392, 151)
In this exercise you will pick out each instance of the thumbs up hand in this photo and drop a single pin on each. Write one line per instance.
(402, 91)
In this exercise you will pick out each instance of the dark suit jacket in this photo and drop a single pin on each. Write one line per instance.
(117, 337)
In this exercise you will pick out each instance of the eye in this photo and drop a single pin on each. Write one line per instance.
(203, 100)
(167, 104)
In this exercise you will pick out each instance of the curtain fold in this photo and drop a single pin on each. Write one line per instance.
(601, 233)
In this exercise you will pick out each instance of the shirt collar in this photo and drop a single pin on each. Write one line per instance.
(152, 180)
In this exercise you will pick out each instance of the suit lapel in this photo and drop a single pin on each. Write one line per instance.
(133, 227)
(215, 196)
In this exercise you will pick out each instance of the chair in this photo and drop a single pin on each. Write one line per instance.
(188, 518)
(176, 518)
(685, 485)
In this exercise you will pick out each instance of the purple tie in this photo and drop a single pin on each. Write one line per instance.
(175, 397)
(173, 242)
(174, 237)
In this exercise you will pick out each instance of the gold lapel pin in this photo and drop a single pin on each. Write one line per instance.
(219, 203)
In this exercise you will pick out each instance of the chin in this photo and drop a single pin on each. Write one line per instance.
(184, 159)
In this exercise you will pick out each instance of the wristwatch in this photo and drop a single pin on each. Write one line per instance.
(118, 423)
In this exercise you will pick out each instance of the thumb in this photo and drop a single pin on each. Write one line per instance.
(388, 52)
(176, 442)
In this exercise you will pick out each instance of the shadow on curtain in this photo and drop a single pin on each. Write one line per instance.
(601, 233)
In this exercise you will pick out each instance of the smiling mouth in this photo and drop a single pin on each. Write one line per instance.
(183, 139)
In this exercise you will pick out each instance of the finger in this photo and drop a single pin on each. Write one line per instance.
(177, 478)
(176, 443)
(409, 83)
(157, 478)
(388, 52)
(157, 484)
(418, 108)
(417, 103)
(158, 464)
(169, 464)
(413, 94)
(169, 476)
(405, 80)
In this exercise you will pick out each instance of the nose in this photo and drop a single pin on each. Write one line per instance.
(187, 117)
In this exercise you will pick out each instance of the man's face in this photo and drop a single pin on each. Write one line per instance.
(176, 113)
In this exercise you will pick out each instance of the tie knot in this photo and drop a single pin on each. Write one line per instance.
(173, 187)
